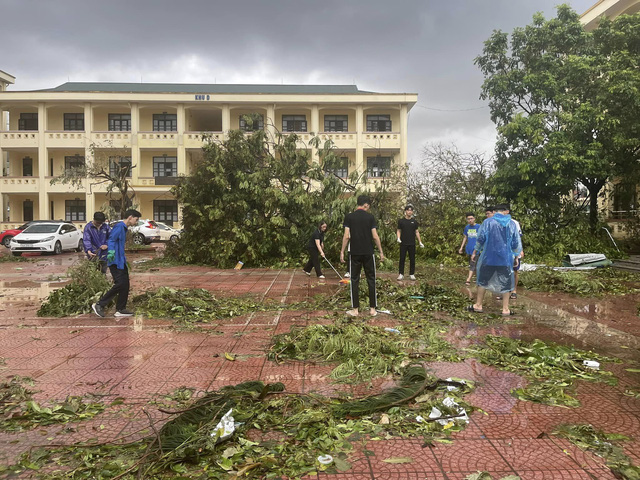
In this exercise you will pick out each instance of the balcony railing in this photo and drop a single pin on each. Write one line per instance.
(158, 139)
(340, 139)
(156, 181)
(381, 139)
(19, 139)
(623, 214)
(195, 139)
(19, 184)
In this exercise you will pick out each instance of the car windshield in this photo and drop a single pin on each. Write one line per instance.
(41, 228)
(162, 226)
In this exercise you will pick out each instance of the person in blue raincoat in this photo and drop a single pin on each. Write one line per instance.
(497, 245)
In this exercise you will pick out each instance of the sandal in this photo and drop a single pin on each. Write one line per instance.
(511, 312)
(471, 308)
(513, 296)
(467, 283)
(350, 313)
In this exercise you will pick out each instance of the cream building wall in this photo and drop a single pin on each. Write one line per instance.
(198, 110)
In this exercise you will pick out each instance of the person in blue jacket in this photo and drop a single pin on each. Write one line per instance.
(498, 243)
(94, 238)
(117, 263)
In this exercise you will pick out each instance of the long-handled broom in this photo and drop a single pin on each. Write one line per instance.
(342, 280)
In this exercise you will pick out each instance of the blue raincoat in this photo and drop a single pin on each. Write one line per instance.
(498, 244)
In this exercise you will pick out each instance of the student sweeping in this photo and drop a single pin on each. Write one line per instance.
(316, 250)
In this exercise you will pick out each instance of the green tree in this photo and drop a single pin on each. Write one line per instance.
(566, 103)
(257, 199)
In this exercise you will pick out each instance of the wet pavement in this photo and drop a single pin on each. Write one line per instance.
(137, 359)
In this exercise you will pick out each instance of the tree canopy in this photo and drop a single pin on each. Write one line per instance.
(566, 103)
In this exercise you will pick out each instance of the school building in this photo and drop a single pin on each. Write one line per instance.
(159, 128)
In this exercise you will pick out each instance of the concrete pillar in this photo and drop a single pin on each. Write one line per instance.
(43, 166)
(404, 135)
(360, 162)
(226, 119)
(181, 154)
(135, 151)
(315, 128)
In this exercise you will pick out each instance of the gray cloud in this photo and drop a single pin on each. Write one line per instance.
(421, 46)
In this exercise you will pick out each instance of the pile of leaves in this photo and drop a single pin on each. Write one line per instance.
(11, 258)
(584, 283)
(361, 351)
(604, 445)
(550, 368)
(18, 410)
(276, 434)
(86, 287)
(192, 305)
(487, 476)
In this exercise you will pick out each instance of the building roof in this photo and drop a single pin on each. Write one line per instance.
(203, 88)
(7, 77)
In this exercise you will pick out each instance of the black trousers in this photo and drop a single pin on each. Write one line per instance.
(411, 249)
(314, 262)
(368, 262)
(120, 288)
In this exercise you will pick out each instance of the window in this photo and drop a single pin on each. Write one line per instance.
(27, 167)
(342, 169)
(624, 200)
(75, 210)
(294, 123)
(165, 166)
(336, 123)
(28, 121)
(165, 211)
(165, 122)
(74, 162)
(117, 164)
(252, 122)
(378, 123)
(119, 122)
(378, 166)
(74, 121)
(27, 210)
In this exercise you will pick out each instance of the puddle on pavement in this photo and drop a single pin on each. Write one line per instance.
(26, 291)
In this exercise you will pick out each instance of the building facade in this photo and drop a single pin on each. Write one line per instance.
(159, 128)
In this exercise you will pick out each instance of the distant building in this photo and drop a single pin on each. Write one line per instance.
(610, 9)
(159, 128)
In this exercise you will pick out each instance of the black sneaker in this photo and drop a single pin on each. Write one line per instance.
(98, 310)
(124, 313)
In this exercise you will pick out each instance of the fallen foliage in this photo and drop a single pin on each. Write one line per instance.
(601, 281)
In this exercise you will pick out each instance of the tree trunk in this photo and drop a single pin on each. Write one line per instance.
(594, 190)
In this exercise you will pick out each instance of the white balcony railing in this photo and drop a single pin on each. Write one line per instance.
(19, 139)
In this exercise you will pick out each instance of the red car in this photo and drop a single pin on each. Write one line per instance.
(7, 235)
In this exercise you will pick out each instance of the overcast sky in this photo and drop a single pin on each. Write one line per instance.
(416, 46)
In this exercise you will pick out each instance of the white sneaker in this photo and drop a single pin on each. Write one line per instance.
(321, 277)
(412, 277)
(347, 275)
(308, 273)
(400, 277)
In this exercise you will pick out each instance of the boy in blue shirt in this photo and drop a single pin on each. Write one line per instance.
(469, 236)
(117, 263)
(94, 238)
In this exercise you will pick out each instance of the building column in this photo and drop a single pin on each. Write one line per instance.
(181, 154)
(135, 151)
(360, 166)
(404, 134)
(315, 128)
(43, 166)
(226, 119)
(90, 199)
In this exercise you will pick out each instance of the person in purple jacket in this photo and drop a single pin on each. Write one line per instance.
(117, 263)
(95, 236)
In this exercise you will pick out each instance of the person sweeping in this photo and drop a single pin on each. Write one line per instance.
(316, 250)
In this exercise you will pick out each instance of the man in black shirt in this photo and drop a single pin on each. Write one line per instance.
(316, 247)
(360, 229)
(407, 233)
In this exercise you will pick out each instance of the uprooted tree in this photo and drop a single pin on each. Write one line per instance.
(107, 166)
(566, 103)
(257, 199)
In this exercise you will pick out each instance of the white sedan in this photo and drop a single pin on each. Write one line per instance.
(167, 233)
(47, 238)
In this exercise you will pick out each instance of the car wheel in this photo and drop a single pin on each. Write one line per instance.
(16, 254)
(57, 250)
(174, 238)
(7, 240)
(138, 239)
(80, 246)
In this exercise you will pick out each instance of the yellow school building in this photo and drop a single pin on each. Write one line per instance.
(159, 129)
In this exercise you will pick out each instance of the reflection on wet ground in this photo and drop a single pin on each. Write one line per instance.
(136, 358)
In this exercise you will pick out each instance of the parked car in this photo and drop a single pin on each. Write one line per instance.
(7, 235)
(167, 233)
(145, 232)
(50, 237)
